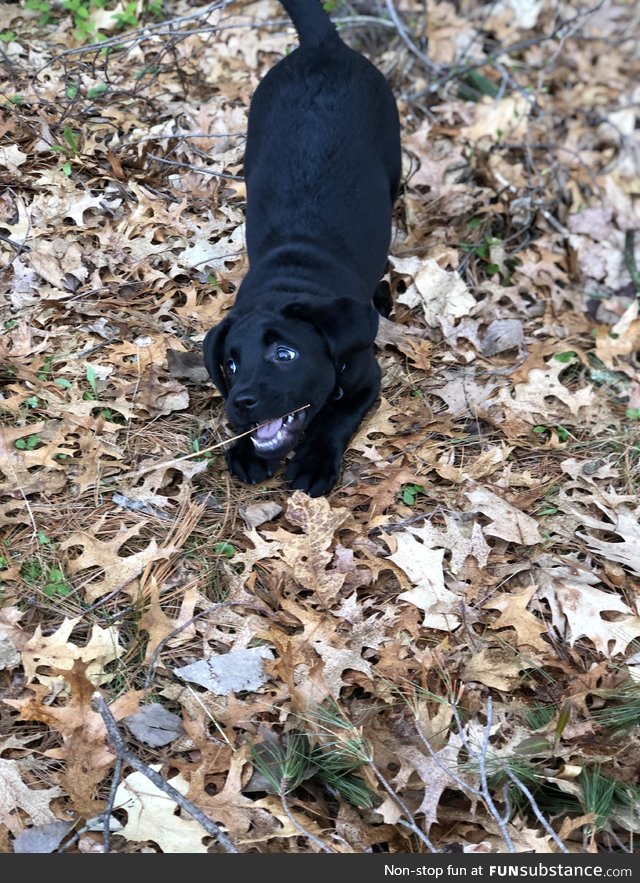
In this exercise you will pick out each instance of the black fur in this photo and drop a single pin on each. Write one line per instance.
(322, 168)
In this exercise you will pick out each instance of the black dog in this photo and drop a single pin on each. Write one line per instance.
(322, 168)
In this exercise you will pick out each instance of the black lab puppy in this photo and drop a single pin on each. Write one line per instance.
(322, 168)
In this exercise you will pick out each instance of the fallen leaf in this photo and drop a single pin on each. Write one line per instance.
(432, 772)
(239, 671)
(423, 566)
(259, 513)
(514, 614)
(56, 652)
(41, 838)
(577, 609)
(151, 815)
(12, 157)
(497, 668)
(502, 335)
(441, 294)
(154, 725)
(506, 521)
(115, 572)
(622, 521)
(16, 796)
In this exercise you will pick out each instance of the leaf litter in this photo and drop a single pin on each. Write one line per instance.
(466, 600)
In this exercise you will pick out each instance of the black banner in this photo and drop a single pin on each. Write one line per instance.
(353, 868)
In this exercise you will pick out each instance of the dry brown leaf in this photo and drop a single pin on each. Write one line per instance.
(623, 522)
(116, 572)
(229, 806)
(151, 815)
(485, 464)
(155, 622)
(423, 566)
(16, 797)
(440, 294)
(434, 778)
(287, 828)
(43, 655)
(578, 609)
(498, 119)
(307, 553)
(496, 667)
(622, 339)
(544, 399)
(514, 614)
(466, 395)
(506, 521)
(86, 755)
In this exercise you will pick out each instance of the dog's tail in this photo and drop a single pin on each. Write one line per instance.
(312, 23)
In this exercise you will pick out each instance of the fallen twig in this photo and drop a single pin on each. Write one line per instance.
(409, 822)
(403, 33)
(536, 809)
(199, 169)
(108, 811)
(124, 755)
(167, 464)
(296, 824)
(481, 759)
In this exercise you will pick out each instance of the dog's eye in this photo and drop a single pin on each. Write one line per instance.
(230, 366)
(285, 354)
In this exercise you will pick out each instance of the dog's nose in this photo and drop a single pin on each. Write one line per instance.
(244, 402)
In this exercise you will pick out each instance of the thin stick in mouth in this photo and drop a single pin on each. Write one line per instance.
(255, 428)
(168, 463)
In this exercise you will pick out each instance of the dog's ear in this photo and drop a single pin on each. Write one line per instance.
(213, 353)
(346, 324)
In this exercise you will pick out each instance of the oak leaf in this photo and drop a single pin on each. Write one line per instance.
(16, 796)
(577, 609)
(440, 294)
(151, 815)
(496, 667)
(42, 654)
(307, 554)
(117, 571)
(158, 625)
(514, 614)
(423, 566)
(506, 521)
(85, 753)
(622, 521)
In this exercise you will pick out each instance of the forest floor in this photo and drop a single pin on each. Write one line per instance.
(443, 653)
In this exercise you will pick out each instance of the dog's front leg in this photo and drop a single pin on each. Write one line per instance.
(316, 465)
(246, 465)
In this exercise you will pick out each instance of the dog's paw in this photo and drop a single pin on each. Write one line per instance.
(316, 475)
(246, 465)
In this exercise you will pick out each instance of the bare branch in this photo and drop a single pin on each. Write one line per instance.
(403, 33)
(126, 756)
(199, 169)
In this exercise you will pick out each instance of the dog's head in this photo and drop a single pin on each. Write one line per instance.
(278, 366)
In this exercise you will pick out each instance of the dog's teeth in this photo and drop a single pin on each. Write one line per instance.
(269, 445)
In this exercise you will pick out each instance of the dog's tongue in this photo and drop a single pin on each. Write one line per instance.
(268, 430)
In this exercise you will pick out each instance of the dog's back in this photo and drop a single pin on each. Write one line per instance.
(322, 163)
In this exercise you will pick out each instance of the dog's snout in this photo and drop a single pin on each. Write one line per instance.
(243, 402)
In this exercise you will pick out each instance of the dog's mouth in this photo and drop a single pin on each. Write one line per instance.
(278, 436)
